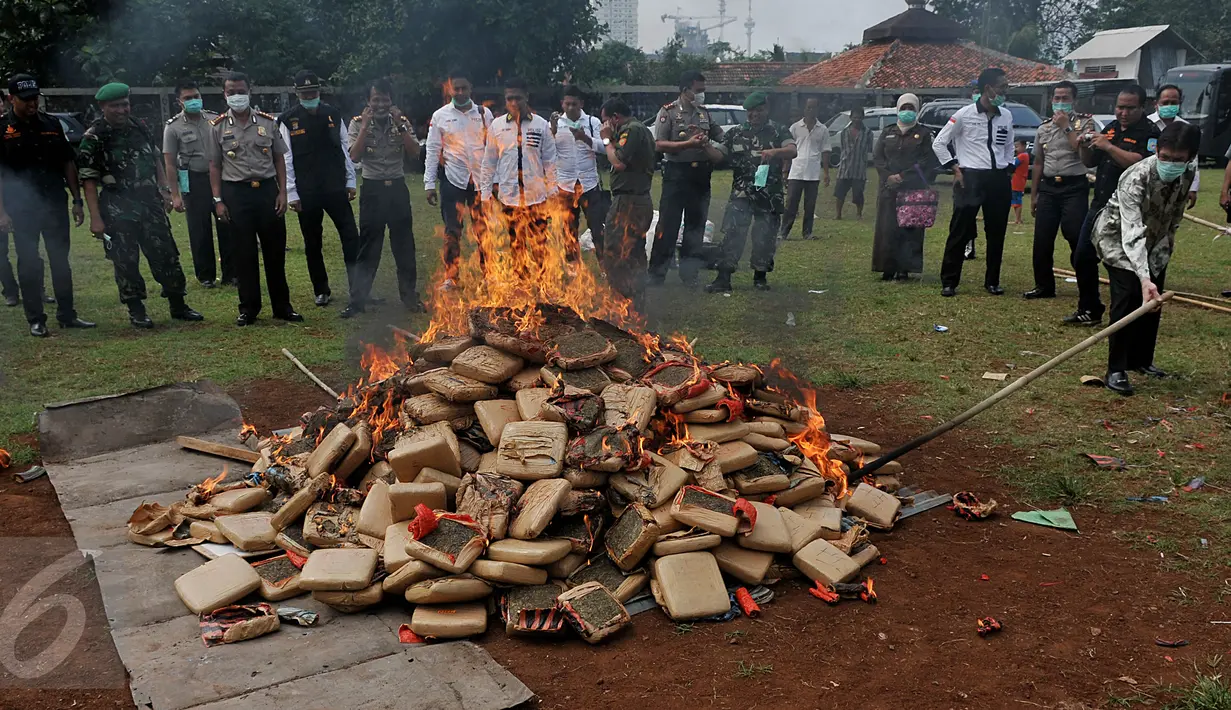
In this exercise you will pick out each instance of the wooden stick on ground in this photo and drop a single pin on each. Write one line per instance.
(309, 373)
(1175, 297)
(404, 333)
(1206, 223)
(238, 453)
(1007, 392)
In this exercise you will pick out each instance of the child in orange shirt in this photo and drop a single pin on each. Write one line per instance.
(1020, 175)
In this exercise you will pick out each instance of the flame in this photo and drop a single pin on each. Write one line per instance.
(205, 488)
(519, 261)
(247, 431)
(6, 459)
(380, 364)
(813, 442)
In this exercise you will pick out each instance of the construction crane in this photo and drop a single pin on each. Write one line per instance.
(723, 20)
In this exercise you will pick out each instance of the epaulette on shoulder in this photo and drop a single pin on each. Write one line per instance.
(172, 119)
(358, 118)
(266, 115)
(218, 119)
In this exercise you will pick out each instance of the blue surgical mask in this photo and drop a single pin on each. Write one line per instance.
(908, 118)
(1169, 112)
(462, 104)
(1170, 172)
(310, 104)
(699, 98)
(193, 106)
(975, 97)
(998, 101)
(239, 102)
(1061, 108)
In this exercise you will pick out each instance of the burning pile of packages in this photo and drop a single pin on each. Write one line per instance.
(547, 470)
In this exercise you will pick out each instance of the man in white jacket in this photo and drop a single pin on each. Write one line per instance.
(519, 167)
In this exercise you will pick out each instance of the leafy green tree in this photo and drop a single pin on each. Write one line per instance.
(1206, 24)
(612, 63)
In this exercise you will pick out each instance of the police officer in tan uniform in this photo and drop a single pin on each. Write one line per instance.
(380, 138)
(684, 132)
(247, 176)
(184, 142)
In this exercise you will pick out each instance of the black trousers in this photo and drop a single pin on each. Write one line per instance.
(253, 217)
(794, 190)
(1061, 207)
(202, 220)
(594, 203)
(45, 216)
(1085, 264)
(385, 203)
(455, 204)
(685, 198)
(1132, 347)
(992, 192)
(8, 282)
(313, 206)
(622, 255)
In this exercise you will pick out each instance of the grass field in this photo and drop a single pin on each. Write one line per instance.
(860, 332)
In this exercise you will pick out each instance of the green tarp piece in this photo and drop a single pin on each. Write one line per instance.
(1059, 518)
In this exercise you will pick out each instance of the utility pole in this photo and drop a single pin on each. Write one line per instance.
(749, 24)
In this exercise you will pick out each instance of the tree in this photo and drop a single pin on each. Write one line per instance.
(1204, 24)
(1042, 30)
(673, 62)
(612, 63)
(37, 35)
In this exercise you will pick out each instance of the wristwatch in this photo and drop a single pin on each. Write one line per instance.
(1068, 129)
(606, 141)
(78, 202)
(217, 200)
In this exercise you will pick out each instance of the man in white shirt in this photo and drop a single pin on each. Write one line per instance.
(812, 142)
(456, 139)
(577, 144)
(1167, 112)
(982, 135)
(519, 165)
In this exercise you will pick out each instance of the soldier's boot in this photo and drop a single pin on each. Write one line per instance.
(137, 315)
(721, 284)
(181, 310)
(760, 281)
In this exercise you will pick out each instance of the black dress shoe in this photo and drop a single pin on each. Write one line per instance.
(11, 301)
(1118, 382)
(38, 330)
(994, 290)
(323, 299)
(48, 299)
(290, 316)
(208, 284)
(186, 313)
(351, 311)
(1226, 294)
(948, 291)
(141, 321)
(902, 276)
(77, 323)
(245, 319)
(887, 276)
(1152, 371)
(1035, 293)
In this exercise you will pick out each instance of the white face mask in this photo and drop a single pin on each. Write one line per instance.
(239, 102)
(699, 98)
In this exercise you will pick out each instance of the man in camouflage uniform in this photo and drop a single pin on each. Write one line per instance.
(756, 151)
(127, 191)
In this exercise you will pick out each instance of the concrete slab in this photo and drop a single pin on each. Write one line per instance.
(138, 583)
(171, 669)
(100, 526)
(451, 676)
(82, 428)
(131, 473)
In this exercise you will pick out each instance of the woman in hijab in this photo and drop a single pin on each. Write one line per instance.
(904, 159)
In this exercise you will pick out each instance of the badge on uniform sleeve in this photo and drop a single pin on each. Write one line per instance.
(1152, 146)
(260, 130)
(623, 140)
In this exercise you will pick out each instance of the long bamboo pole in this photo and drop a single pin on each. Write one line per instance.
(1009, 391)
(1206, 223)
(1176, 294)
(309, 373)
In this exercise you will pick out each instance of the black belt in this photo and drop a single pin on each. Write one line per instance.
(1066, 180)
(248, 183)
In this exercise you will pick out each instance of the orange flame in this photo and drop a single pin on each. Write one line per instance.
(813, 442)
(205, 488)
(380, 364)
(247, 431)
(6, 459)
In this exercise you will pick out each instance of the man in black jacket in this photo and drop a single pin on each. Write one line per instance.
(320, 179)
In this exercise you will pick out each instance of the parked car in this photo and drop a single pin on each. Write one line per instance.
(73, 125)
(727, 116)
(1026, 121)
(1103, 120)
(874, 120)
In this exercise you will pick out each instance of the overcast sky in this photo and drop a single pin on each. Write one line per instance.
(824, 25)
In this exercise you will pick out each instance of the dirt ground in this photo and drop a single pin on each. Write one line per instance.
(1081, 612)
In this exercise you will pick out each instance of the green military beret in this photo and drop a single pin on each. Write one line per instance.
(112, 92)
(756, 98)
